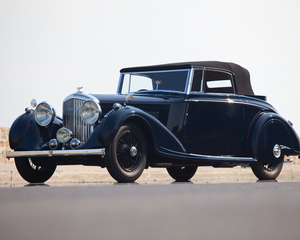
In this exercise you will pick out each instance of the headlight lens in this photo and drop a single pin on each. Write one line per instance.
(63, 135)
(90, 112)
(44, 114)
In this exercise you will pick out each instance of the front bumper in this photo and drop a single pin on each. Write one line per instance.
(55, 153)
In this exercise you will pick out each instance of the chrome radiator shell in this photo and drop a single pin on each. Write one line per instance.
(71, 115)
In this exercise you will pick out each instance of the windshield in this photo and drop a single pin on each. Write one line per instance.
(154, 81)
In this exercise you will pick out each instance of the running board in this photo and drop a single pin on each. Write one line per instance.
(207, 158)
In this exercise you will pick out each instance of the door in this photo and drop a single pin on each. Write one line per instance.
(217, 122)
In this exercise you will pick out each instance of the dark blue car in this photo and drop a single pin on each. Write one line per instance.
(178, 116)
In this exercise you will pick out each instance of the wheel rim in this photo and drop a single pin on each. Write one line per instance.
(270, 166)
(128, 152)
(35, 167)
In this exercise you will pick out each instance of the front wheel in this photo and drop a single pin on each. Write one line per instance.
(35, 170)
(182, 174)
(127, 154)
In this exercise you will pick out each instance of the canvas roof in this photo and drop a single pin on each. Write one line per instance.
(241, 75)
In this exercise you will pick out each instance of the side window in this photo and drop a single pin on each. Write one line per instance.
(196, 86)
(217, 82)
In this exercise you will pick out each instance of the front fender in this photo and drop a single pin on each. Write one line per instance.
(26, 134)
(19, 129)
(269, 129)
(162, 138)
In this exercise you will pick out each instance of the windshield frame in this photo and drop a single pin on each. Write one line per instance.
(187, 83)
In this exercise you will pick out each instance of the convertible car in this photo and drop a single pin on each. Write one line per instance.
(178, 116)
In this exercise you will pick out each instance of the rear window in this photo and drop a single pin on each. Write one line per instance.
(218, 82)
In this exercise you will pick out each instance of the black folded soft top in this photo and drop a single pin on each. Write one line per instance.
(241, 75)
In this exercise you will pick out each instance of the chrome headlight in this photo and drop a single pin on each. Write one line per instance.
(90, 112)
(44, 114)
(63, 135)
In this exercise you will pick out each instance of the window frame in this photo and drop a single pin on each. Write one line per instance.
(186, 88)
(204, 70)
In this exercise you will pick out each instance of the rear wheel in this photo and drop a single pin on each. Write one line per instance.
(267, 171)
(127, 154)
(35, 170)
(182, 174)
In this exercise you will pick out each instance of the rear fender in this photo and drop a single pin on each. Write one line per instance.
(271, 129)
(162, 138)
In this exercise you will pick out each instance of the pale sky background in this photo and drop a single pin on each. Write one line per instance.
(48, 48)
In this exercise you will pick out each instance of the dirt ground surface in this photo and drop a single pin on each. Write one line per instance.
(78, 174)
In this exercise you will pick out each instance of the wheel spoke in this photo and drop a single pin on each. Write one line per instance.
(127, 154)
(125, 159)
(270, 166)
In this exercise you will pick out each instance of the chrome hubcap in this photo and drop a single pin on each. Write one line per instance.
(277, 151)
(133, 151)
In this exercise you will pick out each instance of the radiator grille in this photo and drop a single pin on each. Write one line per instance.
(72, 119)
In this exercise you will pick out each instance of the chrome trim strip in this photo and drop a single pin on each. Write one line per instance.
(231, 100)
(55, 153)
(129, 84)
(81, 96)
(194, 156)
(288, 160)
(282, 147)
(189, 81)
(202, 80)
(119, 83)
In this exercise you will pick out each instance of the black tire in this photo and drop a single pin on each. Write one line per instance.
(35, 170)
(127, 154)
(270, 155)
(182, 174)
(267, 171)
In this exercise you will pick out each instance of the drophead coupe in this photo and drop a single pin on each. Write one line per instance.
(178, 116)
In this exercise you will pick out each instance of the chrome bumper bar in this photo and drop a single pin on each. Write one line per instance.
(55, 153)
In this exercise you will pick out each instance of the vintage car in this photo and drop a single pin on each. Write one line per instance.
(178, 116)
